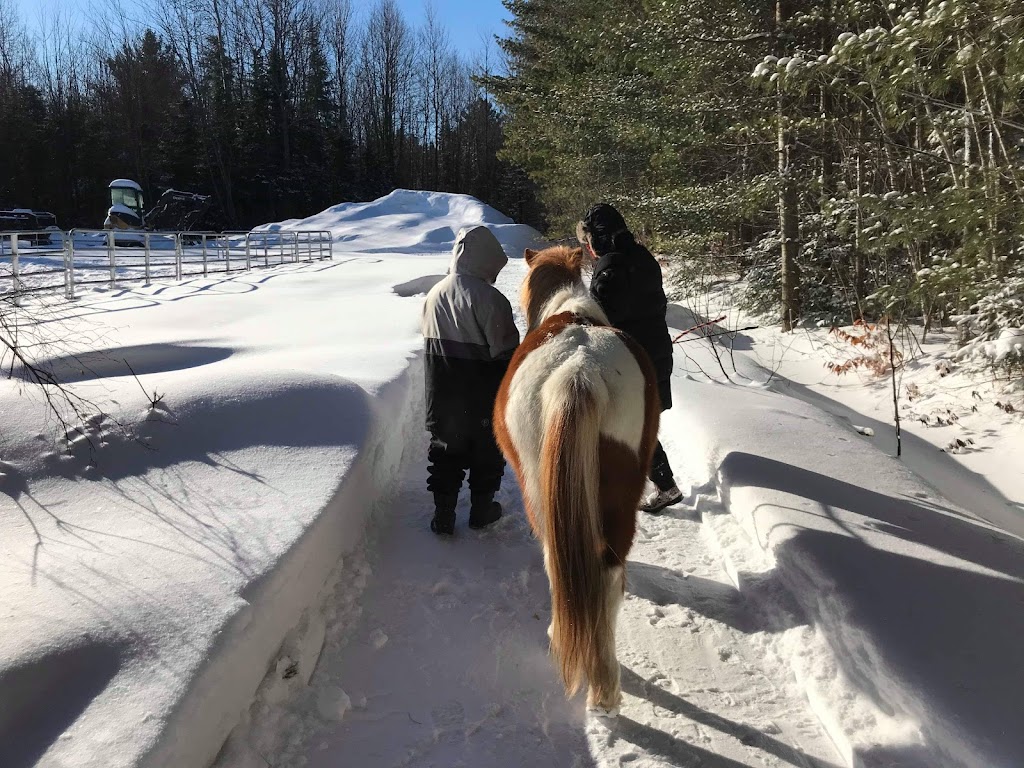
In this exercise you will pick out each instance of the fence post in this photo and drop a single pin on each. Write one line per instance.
(69, 266)
(112, 257)
(14, 269)
(204, 255)
(177, 255)
(145, 241)
(248, 252)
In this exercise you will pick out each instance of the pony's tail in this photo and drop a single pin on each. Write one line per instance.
(569, 488)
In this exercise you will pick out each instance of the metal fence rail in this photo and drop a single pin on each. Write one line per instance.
(41, 255)
(46, 261)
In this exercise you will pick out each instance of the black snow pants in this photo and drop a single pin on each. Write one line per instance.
(451, 454)
(661, 471)
(462, 444)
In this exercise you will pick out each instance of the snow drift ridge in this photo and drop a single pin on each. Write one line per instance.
(410, 221)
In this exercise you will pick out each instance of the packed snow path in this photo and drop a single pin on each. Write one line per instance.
(442, 660)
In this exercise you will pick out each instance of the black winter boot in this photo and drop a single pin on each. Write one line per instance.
(483, 510)
(444, 513)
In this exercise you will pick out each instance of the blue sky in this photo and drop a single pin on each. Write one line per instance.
(467, 20)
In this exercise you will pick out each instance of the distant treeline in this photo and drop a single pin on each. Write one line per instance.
(277, 107)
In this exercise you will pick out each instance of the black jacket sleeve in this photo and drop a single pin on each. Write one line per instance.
(612, 288)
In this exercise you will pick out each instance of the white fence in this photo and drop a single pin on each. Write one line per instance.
(33, 262)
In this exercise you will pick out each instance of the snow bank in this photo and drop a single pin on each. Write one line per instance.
(412, 222)
(155, 559)
(919, 603)
(174, 556)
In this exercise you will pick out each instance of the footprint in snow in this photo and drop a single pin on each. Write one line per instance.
(669, 617)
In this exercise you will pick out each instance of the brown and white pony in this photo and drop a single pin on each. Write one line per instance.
(577, 418)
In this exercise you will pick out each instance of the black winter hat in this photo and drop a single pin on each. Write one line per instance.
(605, 229)
(602, 220)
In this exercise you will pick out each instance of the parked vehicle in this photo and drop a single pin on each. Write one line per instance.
(175, 211)
(13, 219)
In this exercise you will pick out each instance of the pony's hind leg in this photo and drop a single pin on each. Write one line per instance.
(604, 695)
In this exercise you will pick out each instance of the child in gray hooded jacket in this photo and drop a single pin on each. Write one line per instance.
(469, 336)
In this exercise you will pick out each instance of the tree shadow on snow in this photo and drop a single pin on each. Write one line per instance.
(684, 753)
(929, 525)
(954, 480)
(233, 283)
(681, 319)
(713, 599)
(150, 472)
(946, 639)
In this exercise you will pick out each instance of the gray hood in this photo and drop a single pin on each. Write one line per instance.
(478, 253)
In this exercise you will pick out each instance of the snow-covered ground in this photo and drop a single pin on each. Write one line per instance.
(443, 660)
(154, 558)
(911, 571)
(249, 557)
(963, 428)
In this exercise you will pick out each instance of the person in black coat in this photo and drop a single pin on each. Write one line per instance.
(626, 282)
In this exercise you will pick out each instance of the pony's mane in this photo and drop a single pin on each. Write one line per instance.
(551, 271)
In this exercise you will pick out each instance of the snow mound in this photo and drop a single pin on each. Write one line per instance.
(412, 222)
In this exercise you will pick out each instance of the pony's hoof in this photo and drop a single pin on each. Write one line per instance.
(604, 713)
